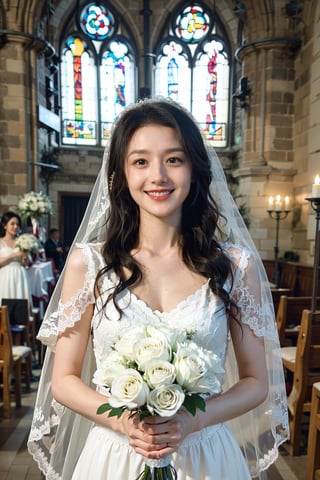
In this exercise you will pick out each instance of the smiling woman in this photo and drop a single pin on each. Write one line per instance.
(165, 249)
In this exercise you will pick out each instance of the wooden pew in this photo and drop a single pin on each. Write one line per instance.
(9, 363)
(313, 456)
(288, 317)
(304, 362)
(277, 294)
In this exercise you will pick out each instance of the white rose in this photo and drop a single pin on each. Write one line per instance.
(33, 207)
(159, 373)
(197, 369)
(172, 335)
(108, 370)
(165, 400)
(128, 390)
(126, 344)
(152, 348)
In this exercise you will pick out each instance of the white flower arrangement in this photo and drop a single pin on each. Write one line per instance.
(27, 243)
(33, 204)
(156, 371)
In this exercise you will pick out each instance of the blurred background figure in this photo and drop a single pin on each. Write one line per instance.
(13, 276)
(54, 249)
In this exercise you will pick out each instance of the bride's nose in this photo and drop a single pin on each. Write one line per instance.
(158, 172)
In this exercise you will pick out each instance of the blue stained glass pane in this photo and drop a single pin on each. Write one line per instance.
(117, 81)
(97, 22)
(172, 75)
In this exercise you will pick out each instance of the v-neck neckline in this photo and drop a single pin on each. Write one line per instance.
(189, 299)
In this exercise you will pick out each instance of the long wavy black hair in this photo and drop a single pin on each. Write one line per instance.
(199, 249)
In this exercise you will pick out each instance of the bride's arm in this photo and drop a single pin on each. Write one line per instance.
(67, 386)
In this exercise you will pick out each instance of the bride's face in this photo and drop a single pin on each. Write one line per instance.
(158, 171)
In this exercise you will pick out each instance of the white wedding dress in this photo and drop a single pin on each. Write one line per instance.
(98, 453)
(14, 281)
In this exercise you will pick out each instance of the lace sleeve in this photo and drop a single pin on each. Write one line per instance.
(77, 292)
(261, 430)
(247, 292)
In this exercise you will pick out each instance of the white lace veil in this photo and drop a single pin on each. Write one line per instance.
(57, 434)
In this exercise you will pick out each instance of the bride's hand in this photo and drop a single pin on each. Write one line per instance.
(155, 436)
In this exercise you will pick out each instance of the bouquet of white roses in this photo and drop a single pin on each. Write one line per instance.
(156, 371)
(33, 204)
(28, 243)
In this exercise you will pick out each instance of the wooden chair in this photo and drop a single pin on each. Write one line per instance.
(288, 317)
(313, 455)
(277, 293)
(9, 363)
(20, 319)
(23, 329)
(288, 277)
(304, 362)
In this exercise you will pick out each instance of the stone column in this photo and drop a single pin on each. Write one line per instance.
(266, 166)
(18, 114)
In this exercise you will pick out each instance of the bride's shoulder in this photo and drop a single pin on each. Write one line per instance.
(234, 250)
(84, 254)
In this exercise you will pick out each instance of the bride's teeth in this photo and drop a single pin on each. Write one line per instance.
(159, 194)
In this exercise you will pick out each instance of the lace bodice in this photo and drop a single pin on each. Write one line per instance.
(202, 311)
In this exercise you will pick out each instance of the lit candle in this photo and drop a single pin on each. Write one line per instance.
(286, 203)
(316, 187)
(270, 203)
(278, 203)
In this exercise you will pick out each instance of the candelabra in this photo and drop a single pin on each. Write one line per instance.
(315, 204)
(277, 215)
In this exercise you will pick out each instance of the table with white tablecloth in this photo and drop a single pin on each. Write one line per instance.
(40, 274)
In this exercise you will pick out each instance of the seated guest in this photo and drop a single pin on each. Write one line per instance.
(55, 249)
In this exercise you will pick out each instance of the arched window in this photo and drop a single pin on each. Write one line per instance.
(98, 77)
(193, 67)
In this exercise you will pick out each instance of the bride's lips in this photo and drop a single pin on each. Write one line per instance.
(159, 194)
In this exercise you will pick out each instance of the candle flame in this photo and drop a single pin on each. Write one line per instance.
(317, 180)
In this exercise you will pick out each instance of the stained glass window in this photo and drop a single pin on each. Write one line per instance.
(192, 24)
(79, 94)
(173, 73)
(192, 66)
(117, 85)
(97, 22)
(98, 77)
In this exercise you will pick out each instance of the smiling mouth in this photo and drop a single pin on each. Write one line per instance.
(159, 194)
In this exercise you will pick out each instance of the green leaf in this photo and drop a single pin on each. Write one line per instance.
(103, 408)
(194, 401)
(113, 412)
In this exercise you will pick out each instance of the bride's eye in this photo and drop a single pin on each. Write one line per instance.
(140, 161)
(174, 160)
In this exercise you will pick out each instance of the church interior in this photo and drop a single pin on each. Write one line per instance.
(248, 71)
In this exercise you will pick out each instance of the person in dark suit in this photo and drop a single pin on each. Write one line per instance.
(55, 249)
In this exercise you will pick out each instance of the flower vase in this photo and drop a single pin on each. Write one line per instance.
(35, 226)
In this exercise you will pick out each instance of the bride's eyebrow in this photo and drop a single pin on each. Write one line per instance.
(141, 151)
